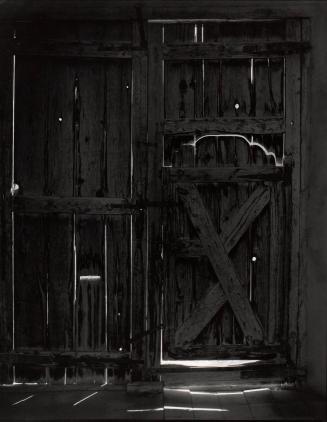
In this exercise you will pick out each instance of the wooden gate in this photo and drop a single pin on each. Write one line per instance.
(228, 122)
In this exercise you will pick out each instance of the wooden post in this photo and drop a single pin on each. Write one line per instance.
(155, 116)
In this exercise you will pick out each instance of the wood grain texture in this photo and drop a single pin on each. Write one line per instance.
(226, 174)
(220, 262)
(31, 282)
(60, 282)
(246, 125)
(119, 282)
(183, 89)
(155, 115)
(139, 186)
(88, 205)
(229, 51)
(90, 293)
(293, 148)
(236, 98)
(269, 87)
(6, 310)
(44, 148)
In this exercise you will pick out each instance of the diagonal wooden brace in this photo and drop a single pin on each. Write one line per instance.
(217, 249)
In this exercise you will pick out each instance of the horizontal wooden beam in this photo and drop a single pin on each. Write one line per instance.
(225, 174)
(66, 358)
(221, 125)
(110, 51)
(214, 51)
(52, 204)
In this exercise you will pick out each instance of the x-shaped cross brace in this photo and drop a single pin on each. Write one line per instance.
(217, 248)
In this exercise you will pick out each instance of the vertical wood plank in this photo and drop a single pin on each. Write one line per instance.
(183, 89)
(139, 186)
(116, 170)
(31, 125)
(90, 84)
(305, 133)
(60, 282)
(119, 279)
(59, 151)
(179, 33)
(236, 92)
(155, 116)
(269, 87)
(30, 282)
(293, 149)
(90, 301)
(260, 255)
(6, 76)
(278, 253)
(211, 88)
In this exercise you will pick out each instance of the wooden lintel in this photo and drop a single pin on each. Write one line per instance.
(52, 204)
(221, 263)
(225, 174)
(225, 125)
(216, 51)
(119, 51)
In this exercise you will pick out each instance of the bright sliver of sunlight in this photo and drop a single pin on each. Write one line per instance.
(208, 363)
(190, 409)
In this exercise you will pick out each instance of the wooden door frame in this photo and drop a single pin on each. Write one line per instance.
(296, 133)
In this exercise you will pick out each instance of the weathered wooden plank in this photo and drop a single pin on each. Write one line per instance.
(91, 93)
(116, 167)
(252, 31)
(236, 98)
(183, 89)
(180, 282)
(65, 359)
(246, 125)
(44, 150)
(139, 184)
(155, 115)
(206, 155)
(30, 127)
(60, 282)
(214, 298)
(63, 32)
(178, 33)
(58, 140)
(118, 263)
(6, 104)
(110, 51)
(139, 282)
(226, 174)
(278, 252)
(90, 284)
(220, 262)
(242, 51)
(306, 66)
(30, 282)
(269, 87)
(89, 205)
(293, 148)
(212, 87)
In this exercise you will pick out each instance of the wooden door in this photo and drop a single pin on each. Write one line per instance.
(227, 132)
(77, 253)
